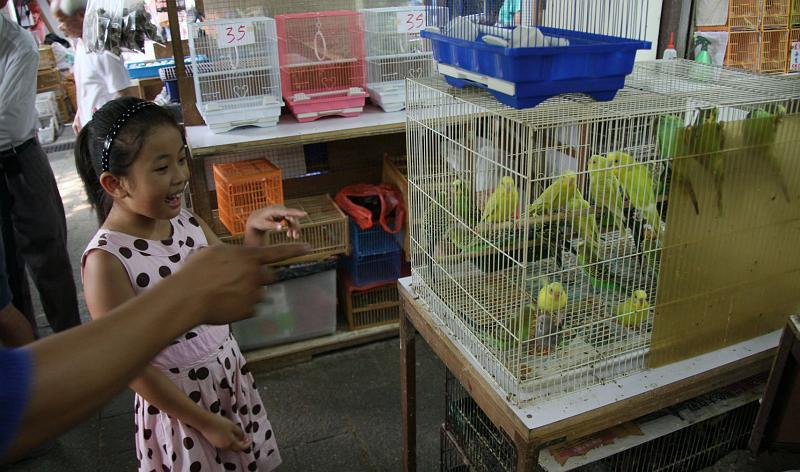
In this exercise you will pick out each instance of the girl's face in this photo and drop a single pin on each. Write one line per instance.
(157, 178)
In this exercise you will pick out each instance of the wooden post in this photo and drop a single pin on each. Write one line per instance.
(408, 390)
(185, 86)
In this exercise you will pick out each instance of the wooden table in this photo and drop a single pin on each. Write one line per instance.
(573, 415)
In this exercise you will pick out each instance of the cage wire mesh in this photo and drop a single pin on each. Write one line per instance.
(235, 72)
(231, 9)
(289, 159)
(537, 234)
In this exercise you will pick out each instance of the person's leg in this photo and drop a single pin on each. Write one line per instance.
(14, 266)
(40, 227)
(14, 329)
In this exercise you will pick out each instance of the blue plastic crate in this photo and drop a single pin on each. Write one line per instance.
(368, 242)
(148, 69)
(370, 270)
(592, 64)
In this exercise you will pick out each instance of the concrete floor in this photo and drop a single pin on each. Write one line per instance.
(339, 412)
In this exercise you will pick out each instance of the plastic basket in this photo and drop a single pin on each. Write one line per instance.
(369, 242)
(775, 14)
(367, 307)
(773, 51)
(744, 14)
(524, 77)
(324, 229)
(370, 270)
(243, 187)
(743, 50)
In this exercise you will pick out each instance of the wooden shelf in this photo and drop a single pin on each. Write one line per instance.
(372, 122)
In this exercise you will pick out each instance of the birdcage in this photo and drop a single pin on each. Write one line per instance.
(237, 82)
(525, 51)
(775, 14)
(742, 52)
(744, 14)
(243, 187)
(533, 240)
(794, 14)
(371, 306)
(324, 228)
(322, 63)
(773, 51)
(395, 51)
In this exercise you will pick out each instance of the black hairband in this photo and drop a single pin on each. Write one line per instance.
(112, 133)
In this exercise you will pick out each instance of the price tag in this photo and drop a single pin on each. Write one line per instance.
(235, 34)
(794, 57)
(410, 21)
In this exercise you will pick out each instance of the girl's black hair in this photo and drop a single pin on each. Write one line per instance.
(124, 148)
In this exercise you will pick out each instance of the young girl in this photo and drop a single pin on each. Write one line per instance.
(196, 406)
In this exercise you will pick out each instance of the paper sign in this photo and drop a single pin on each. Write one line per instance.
(794, 57)
(410, 21)
(235, 34)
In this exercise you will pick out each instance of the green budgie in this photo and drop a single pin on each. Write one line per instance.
(502, 203)
(462, 201)
(605, 191)
(583, 222)
(671, 136)
(706, 141)
(760, 129)
(503, 340)
(638, 186)
(556, 195)
(435, 221)
(633, 311)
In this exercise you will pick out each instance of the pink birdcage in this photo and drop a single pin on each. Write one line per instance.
(322, 63)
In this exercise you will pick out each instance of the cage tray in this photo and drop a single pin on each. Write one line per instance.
(524, 77)
(225, 115)
(347, 104)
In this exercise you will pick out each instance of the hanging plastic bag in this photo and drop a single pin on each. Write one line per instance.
(118, 26)
(369, 205)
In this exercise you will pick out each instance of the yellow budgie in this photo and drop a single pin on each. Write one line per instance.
(552, 298)
(633, 311)
(551, 302)
(556, 195)
(605, 190)
(638, 185)
(502, 203)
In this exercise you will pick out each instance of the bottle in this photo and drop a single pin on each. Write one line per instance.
(703, 57)
(670, 52)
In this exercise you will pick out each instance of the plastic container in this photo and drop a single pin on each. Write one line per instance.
(524, 77)
(670, 52)
(243, 187)
(296, 308)
(371, 306)
(369, 242)
(370, 270)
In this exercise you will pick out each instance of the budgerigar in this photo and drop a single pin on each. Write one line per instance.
(583, 222)
(462, 201)
(435, 221)
(760, 129)
(705, 143)
(551, 302)
(638, 185)
(633, 311)
(556, 195)
(605, 191)
(672, 145)
(502, 203)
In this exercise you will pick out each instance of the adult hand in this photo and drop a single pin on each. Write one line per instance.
(228, 280)
(276, 218)
(76, 125)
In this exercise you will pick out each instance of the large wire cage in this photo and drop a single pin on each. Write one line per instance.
(536, 235)
(395, 51)
(322, 63)
(235, 72)
(525, 51)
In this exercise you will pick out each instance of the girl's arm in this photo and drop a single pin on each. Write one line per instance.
(107, 286)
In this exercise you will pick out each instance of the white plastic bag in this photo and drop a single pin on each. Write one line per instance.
(117, 26)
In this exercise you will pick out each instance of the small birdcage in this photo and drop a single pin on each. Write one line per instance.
(536, 235)
(395, 52)
(773, 51)
(322, 63)
(742, 52)
(525, 51)
(775, 14)
(235, 72)
(744, 15)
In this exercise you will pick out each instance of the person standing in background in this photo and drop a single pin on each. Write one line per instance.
(28, 189)
(99, 77)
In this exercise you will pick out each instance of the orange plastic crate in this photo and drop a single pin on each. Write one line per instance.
(793, 48)
(775, 14)
(243, 187)
(744, 14)
(773, 51)
(743, 50)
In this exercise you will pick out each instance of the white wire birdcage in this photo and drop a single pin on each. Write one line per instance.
(322, 63)
(536, 235)
(525, 51)
(395, 51)
(236, 73)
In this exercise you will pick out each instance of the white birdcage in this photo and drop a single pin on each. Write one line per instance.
(236, 73)
(536, 235)
(395, 51)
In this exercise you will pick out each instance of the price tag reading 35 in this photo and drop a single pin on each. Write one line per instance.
(235, 34)
(410, 21)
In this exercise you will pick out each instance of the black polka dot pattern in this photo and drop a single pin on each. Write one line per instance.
(149, 453)
(101, 243)
(175, 258)
(153, 410)
(196, 466)
(141, 244)
(256, 409)
(189, 241)
(215, 407)
(125, 252)
(164, 272)
(143, 280)
(255, 427)
(196, 396)
(230, 466)
(165, 468)
(243, 410)
(271, 451)
(227, 363)
(147, 433)
(167, 242)
(190, 335)
(268, 435)
(175, 370)
(193, 221)
(252, 466)
(188, 443)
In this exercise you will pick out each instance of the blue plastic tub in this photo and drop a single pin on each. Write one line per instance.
(593, 64)
(370, 270)
(369, 242)
(149, 69)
